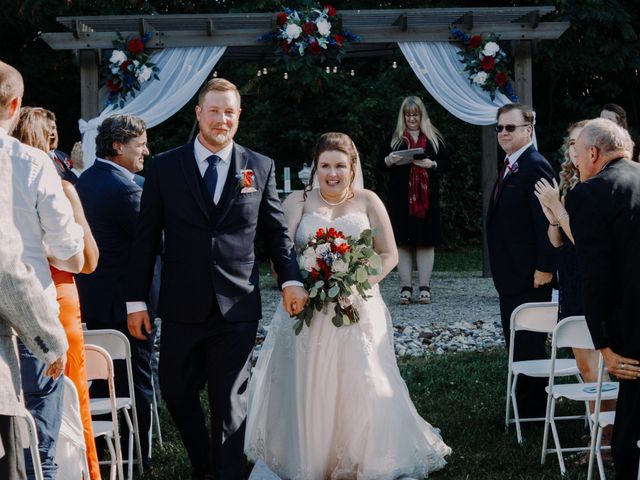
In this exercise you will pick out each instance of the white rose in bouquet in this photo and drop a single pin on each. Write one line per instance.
(490, 49)
(293, 31)
(324, 27)
(308, 260)
(117, 57)
(339, 266)
(144, 74)
(322, 249)
(480, 78)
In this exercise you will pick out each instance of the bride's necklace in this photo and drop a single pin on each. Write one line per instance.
(346, 195)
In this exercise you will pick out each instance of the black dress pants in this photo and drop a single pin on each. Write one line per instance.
(530, 394)
(12, 460)
(215, 353)
(626, 430)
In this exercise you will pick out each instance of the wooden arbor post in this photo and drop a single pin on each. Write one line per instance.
(522, 53)
(89, 83)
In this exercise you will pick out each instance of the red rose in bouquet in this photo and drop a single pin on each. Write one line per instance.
(475, 41)
(281, 18)
(135, 45)
(331, 11)
(314, 48)
(487, 63)
(501, 79)
(308, 27)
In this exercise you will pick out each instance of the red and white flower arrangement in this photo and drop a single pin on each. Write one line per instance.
(313, 34)
(127, 68)
(486, 64)
(334, 267)
(245, 181)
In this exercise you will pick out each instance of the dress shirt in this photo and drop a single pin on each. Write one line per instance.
(202, 153)
(513, 158)
(42, 212)
(127, 173)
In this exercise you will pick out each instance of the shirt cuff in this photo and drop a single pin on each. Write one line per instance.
(133, 307)
(292, 283)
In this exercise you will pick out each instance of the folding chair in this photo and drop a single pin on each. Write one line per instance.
(118, 347)
(570, 332)
(29, 423)
(535, 317)
(71, 450)
(100, 367)
(154, 431)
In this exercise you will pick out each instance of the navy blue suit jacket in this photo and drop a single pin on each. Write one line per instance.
(517, 227)
(111, 202)
(209, 259)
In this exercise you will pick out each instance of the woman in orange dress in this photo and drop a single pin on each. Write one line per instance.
(34, 129)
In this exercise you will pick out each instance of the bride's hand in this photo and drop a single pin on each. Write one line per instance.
(294, 299)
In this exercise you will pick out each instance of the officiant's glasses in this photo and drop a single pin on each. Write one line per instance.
(509, 128)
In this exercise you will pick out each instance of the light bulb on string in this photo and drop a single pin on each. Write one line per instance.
(259, 72)
(352, 72)
(394, 64)
(215, 74)
(335, 69)
(328, 69)
(286, 75)
(265, 71)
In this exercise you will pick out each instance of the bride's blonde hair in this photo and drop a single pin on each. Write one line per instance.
(334, 142)
(414, 105)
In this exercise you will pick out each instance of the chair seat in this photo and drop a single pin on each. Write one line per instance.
(582, 391)
(102, 406)
(606, 418)
(540, 368)
(102, 427)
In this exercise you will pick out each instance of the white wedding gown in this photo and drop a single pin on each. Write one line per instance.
(330, 403)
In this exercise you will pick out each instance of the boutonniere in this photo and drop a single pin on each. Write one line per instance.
(245, 181)
(513, 168)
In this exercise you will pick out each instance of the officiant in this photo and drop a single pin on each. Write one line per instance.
(413, 201)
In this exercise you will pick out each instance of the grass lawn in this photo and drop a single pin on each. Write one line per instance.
(463, 395)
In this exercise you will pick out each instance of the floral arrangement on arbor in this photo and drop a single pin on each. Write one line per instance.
(127, 68)
(334, 267)
(312, 34)
(486, 64)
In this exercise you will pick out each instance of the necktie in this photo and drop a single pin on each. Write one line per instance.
(211, 175)
(501, 178)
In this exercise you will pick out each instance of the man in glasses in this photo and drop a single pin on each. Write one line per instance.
(521, 256)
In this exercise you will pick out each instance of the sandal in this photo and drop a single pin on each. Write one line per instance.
(425, 295)
(405, 295)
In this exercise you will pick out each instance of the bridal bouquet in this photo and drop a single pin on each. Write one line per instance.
(334, 267)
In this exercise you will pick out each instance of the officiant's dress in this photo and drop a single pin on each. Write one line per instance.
(330, 403)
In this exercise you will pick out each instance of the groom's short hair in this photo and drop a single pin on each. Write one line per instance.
(217, 85)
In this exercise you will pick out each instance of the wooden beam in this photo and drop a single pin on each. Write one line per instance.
(89, 107)
(401, 22)
(532, 19)
(489, 176)
(523, 76)
(465, 21)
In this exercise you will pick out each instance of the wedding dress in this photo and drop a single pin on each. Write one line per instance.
(330, 403)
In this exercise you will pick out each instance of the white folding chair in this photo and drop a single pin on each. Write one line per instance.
(154, 431)
(118, 347)
(100, 367)
(572, 332)
(71, 450)
(535, 317)
(29, 424)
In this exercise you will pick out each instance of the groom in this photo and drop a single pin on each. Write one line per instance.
(208, 197)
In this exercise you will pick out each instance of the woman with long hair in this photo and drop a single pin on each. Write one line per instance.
(414, 196)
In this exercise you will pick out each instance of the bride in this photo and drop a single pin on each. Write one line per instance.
(330, 403)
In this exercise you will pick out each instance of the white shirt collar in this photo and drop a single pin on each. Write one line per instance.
(126, 172)
(202, 153)
(513, 158)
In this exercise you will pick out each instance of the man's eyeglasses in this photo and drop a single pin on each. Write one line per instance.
(509, 128)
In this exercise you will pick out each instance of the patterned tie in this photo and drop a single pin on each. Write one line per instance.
(501, 178)
(211, 175)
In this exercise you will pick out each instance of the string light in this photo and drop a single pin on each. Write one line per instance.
(328, 69)
(335, 69)
(394, 64)
(265, 71)
(215, 74)
(259, 72)
(352, 72)
(286, 75)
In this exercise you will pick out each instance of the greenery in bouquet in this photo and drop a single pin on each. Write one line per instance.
(486, 64)
(311, 34)
(334, 267)
(127, 68)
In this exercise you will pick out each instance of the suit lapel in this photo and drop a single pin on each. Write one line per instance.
(190, 172)
(239, 161)
(522, 158)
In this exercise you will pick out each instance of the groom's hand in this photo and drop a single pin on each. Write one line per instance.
(294, 299)
(136, 321)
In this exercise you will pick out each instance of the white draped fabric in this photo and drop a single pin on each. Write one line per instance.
(182, 72)
(438, 67)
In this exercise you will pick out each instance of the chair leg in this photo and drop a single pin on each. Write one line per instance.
(156, 420)
(599, 453)
(556, 438)
(507, 410)
(127, 418)
(516, 411)
(545, 435)
(114, 460)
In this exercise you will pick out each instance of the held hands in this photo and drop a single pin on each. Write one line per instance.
(136, 321)
(621, 367)
(294, 299)
(541, 278)
(56, 368)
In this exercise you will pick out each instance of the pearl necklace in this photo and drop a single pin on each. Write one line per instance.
(344, 199)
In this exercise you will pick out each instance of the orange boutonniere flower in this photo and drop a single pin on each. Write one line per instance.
(245, 181)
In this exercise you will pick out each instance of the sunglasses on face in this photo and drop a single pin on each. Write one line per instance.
(509, 128)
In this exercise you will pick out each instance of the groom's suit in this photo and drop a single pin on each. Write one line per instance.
(209, 298)
(518, 245)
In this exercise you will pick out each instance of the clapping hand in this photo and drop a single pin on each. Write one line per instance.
(549, 198)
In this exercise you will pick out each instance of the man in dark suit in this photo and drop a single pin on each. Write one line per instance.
(111, 201)
(604, 212)
(209, 197)
(519, 251)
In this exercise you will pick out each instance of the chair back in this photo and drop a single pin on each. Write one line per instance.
(98, 363)
(113, 341)
(535, 317)
(573, 332)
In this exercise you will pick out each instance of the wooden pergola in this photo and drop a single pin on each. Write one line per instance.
(379, 30)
